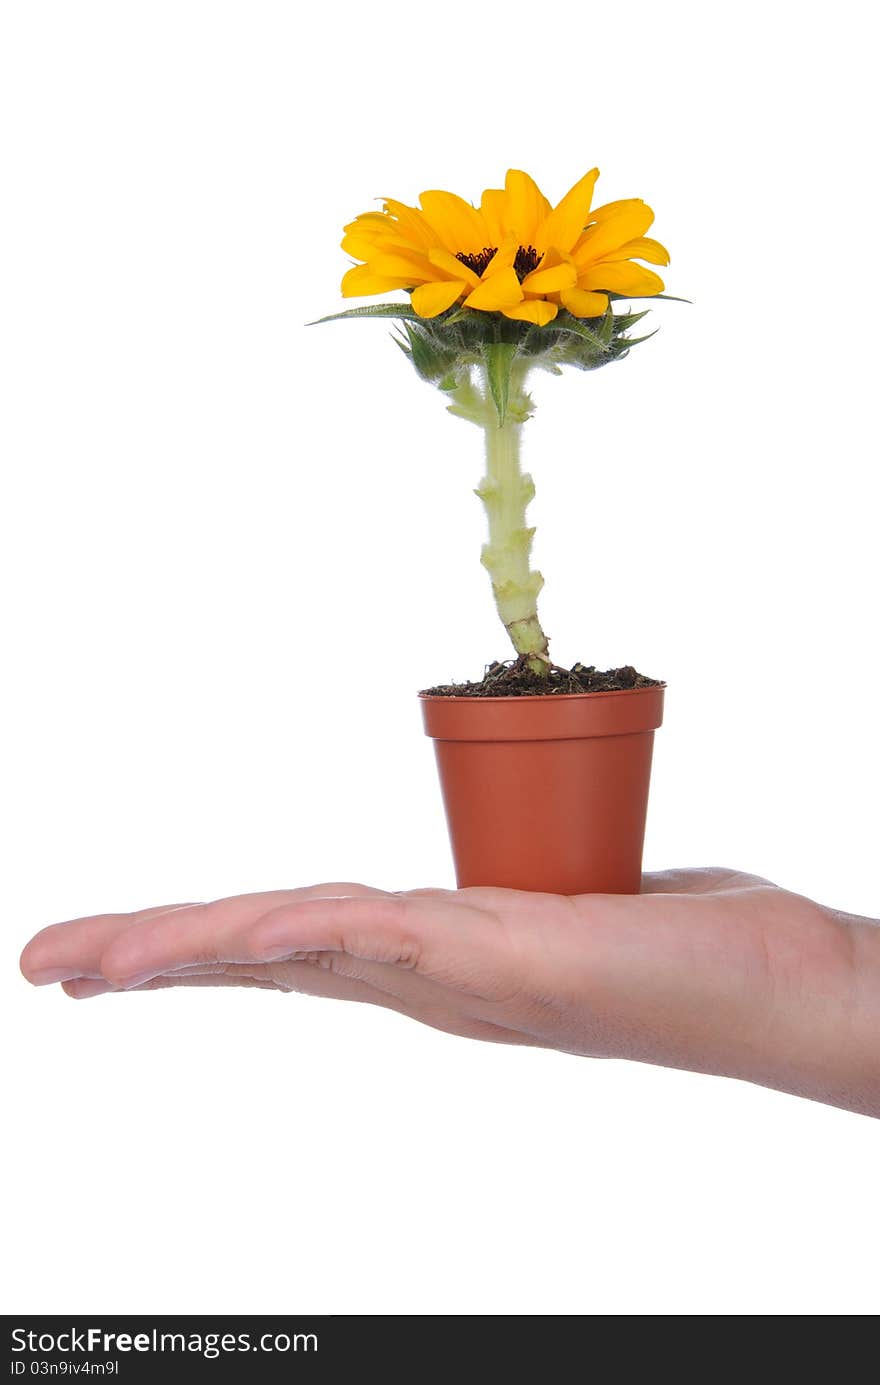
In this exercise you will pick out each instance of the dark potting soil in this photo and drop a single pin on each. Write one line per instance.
(515, 679)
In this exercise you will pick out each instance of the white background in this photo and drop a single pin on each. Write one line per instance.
(216, 519)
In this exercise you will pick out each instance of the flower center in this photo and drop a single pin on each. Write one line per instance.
(524, 261)
(479, 259)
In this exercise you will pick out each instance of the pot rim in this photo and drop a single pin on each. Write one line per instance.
(544, 697)
(542, 716)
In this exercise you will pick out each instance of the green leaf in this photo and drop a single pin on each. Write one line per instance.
(498, 356)
(596, 345)
(606, 328)
(623, 321)
(634, 341)
(401, 310)
(565, 322)
(669, 297)
(430, 362)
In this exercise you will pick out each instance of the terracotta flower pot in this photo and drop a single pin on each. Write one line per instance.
(546, 793)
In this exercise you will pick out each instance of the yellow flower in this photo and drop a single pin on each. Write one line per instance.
(514, 254)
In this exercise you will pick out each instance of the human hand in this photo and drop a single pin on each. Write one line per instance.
(709, 970)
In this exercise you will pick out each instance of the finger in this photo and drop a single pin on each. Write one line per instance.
(386, 980)
(442, 937)
(215, 932)
(65, 950)
(85, 988)
(306, 978)
(75, 947)
(333, 974)
(164, 983)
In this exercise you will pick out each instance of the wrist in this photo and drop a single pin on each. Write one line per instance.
(828, 1035)
(864, 1010)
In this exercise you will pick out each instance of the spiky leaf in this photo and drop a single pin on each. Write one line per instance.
(498, 356)
(667, 297)
(401, 310)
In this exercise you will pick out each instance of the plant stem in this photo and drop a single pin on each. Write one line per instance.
(505, 492)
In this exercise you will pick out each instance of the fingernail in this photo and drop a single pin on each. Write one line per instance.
(48, 975)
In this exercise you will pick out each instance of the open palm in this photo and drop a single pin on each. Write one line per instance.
(712, 970)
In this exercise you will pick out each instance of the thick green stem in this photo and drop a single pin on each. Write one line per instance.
(505, 492)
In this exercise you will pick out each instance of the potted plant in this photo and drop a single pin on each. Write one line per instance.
(544, 770)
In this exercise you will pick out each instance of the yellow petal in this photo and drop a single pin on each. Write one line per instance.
(373, 218)
(501, 290)
(581, 304)
(612, 232)
(452, 266)
(359, 247)
(608, 209)
(458, 224)
(432, 299)
(561, 276)
(641, 249)
(504, 256)
(567, 220)
(409, 223)
(362, 280)
(492, 207)
(375, 230)
(622, 276)
(415, 266)
(537, 310)
(378, 232)
(526, 205)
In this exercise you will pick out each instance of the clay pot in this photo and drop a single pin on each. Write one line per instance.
(546, 793)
